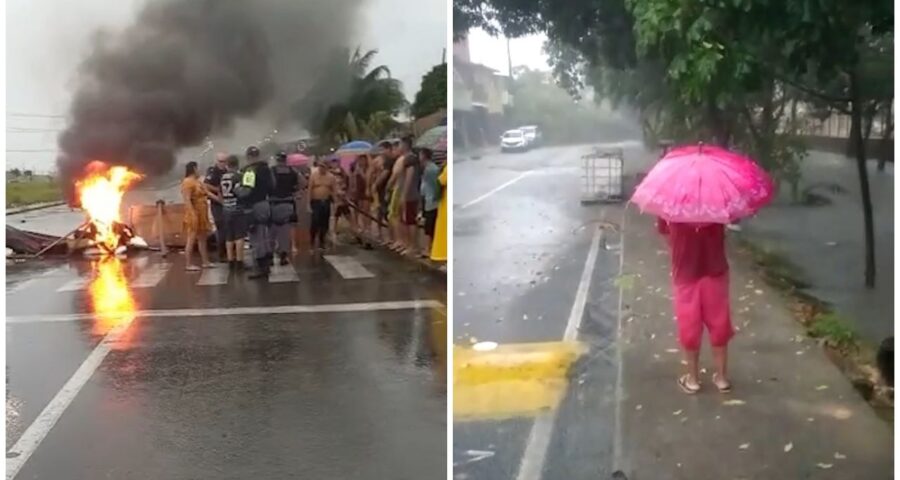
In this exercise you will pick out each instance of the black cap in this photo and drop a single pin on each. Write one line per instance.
(252, 151)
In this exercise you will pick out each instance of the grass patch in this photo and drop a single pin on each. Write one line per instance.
(835, 330)
(29, 192)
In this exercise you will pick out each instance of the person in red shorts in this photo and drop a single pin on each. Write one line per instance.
(701, 298)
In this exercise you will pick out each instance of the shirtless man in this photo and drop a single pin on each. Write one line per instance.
(321, 193)
(382, 167)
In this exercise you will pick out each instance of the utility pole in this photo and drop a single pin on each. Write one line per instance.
(509, 58)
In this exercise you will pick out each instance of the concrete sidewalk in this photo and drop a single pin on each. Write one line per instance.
(792, 414)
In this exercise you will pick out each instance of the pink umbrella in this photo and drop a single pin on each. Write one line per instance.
(297, 160)
(704, 184)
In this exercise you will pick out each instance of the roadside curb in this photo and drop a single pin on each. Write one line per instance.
(31, 208)
(434, 267)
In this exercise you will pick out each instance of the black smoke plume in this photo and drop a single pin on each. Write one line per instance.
(187, 69)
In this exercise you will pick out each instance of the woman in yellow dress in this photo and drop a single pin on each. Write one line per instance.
(439, 245)
(196, 222)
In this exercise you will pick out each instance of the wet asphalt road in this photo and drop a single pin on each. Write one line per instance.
(339, 383)
(521, 242)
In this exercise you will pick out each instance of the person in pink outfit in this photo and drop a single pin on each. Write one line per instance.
(701, 298)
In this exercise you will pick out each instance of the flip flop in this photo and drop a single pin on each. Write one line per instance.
(722, 389)
(192, 268)
(682, 384)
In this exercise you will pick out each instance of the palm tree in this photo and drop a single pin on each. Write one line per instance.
(350, 100)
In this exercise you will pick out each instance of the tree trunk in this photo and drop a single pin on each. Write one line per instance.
(887, 132)
(856, 136)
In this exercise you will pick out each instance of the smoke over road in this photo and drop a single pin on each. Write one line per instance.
(187, 69)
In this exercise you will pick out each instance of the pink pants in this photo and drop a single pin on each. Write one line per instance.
(703, 302)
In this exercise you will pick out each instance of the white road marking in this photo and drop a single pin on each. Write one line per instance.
(501, 187)
(577, 313)
(232, 311)
(31, 281)
(618, 436)
(283, 274)
(75, 285)
(218, 275)
(348, 267)
(152, 276)
(532, 465)
(25, 446)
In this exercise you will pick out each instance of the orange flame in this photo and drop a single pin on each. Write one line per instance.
(100, 193)
(111, 298)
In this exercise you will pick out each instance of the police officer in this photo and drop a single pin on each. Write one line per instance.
(257, 184)
(282, 199)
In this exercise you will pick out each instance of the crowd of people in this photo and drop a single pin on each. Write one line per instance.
(394, 195)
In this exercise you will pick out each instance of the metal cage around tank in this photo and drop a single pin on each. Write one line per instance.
(602, 172)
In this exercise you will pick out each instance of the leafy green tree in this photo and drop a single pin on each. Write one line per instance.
(348, 93)
(432, 96)
(724, 70)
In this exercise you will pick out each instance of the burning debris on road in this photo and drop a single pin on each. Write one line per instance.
(100, 194)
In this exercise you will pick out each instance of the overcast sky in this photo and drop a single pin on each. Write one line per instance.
(491, 51)
(46, 40)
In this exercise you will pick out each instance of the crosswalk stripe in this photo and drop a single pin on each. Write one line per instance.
(283, 274)
(218, 275)
(31, 281)
(348, 267)
(152, 276)
(75, 285)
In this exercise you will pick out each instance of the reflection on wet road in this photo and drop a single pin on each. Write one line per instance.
(316, 375)
(534, 271)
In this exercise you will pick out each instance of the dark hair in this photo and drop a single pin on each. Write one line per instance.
(190, 169)
(426, 153)
(386, 145)
(233, 161)
(407, 141)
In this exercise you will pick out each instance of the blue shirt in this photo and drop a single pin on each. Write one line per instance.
(430, 186)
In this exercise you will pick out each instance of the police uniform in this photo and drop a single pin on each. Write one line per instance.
(257, 182)
(282, 203)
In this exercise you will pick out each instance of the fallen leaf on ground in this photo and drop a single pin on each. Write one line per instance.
(822, 387)
(824, 466)
(652, 336)
(676, 412)
(799, 352)
(744, 446)
(638, 407)
(758, 292)
(718, 417)
(733, 402)
(839, 456)
(672, 350)
(788, 447)
(810, 419)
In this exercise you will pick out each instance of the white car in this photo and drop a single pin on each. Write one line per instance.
(513, 140)
(532, 135)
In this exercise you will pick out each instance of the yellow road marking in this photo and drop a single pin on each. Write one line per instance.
(516, 380)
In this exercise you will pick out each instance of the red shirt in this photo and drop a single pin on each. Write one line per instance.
(698, 251)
